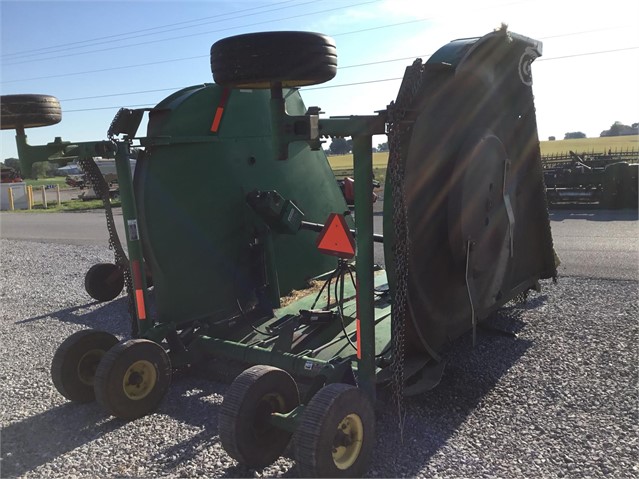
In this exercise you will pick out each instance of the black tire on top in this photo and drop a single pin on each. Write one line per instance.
(256, 60)
(29, 111)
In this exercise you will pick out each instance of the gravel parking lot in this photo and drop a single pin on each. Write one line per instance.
(561, 400)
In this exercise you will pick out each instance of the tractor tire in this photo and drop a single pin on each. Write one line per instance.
(75, 362)
(336, 434)
(104, 281)
(132, 378)
(245, 430)
(630, 186)
(28, 111)
(613, 185)
(257, 60)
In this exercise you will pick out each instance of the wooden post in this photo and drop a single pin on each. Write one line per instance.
(10, 196)
(44, 197)
(57, 193)
(29, 197)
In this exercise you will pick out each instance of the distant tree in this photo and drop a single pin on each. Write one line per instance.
(340, 146)
(39, 169)
(551, 138)
(619, 129)
(13, 163)
(574, 135)
(382, 147)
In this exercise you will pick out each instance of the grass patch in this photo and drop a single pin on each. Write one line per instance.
(345, 162)
(55, 180)
(69, 206)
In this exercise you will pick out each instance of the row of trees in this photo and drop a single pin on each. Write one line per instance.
(617, 129)
(343, 146)
(41, 169)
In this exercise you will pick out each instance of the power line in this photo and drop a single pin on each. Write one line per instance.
(102, 70)
(198, 34)
(589, 53)
(176, 88)
(200, 21)
(339, 85)
(137, 65)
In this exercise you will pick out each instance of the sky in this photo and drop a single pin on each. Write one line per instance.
(98, 56)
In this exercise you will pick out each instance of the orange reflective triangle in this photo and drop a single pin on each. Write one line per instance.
(336, 238)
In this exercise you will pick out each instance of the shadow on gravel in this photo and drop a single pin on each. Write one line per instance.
(591, 214)
(471, 373)
(42, 438)
(111, 316)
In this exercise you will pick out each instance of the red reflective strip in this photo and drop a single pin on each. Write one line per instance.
(220, 110)
(359, 340)
(139, 301)
(137, 274)
(217, 119)
(357, 336)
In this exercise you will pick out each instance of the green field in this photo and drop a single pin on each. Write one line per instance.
(590, 145)
(343, 164)
(55, 180)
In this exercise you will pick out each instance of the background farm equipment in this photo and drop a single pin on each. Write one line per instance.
(465, 231)
(347, 185)
(9, 175)
(602, 181)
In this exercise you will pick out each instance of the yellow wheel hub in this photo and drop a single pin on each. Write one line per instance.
(348, 441)
(139, 380)
(87, 365)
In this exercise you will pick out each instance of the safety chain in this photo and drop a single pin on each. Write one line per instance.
(398, 129)
(98, 183)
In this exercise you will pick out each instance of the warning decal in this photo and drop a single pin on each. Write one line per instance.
(336, 238)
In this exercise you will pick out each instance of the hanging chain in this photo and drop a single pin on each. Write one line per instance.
(398, 130)
(98, 183)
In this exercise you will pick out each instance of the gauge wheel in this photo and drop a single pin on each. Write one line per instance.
(28, 111)
(246, 432)
(132, 378)
(257, 60)
(336, 435)
(75, 362)
(104, 281)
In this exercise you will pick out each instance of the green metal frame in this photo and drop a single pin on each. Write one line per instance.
(58, 151)
(361, 128)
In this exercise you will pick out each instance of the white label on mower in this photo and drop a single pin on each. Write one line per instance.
(133, 230)
(308, 365)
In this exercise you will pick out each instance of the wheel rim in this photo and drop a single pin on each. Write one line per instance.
(270, 403)
(347, 443)
(87, 366)
(139, 380)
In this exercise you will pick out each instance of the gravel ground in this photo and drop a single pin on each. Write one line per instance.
(558, 401)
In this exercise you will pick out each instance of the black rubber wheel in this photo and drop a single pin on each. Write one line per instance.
(631, 187)
(245, 430)
(336, 435)
(104, 281)
(132, 378)
(75, 362)
(255, 60)
(613, 185)
(28, 111)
